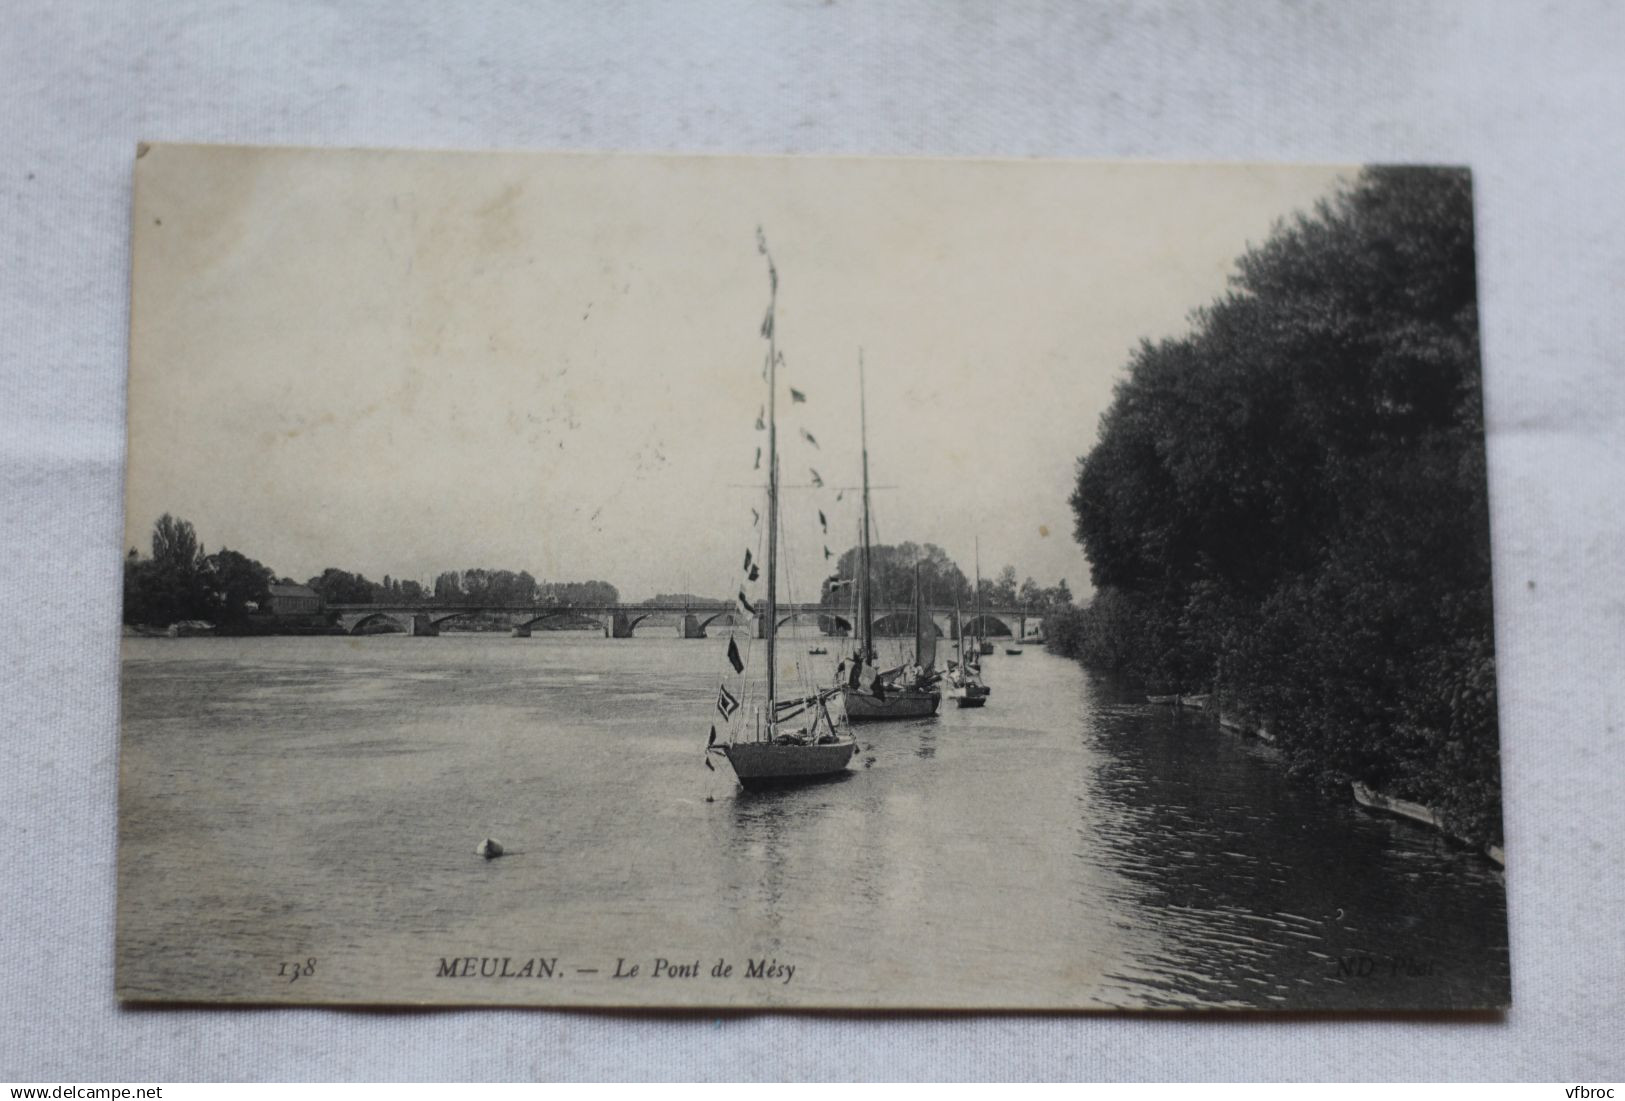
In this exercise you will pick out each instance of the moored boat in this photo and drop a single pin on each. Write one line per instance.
(971, 695)
(908, 691)
(965, 685)
(776, 742)
(979, 646)
(895, 703)
(1195, 702)
(761, 765)
(1372, 799)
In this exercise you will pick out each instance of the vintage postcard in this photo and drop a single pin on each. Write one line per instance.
(657, 581)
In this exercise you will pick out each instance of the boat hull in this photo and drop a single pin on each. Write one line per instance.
(863, 707)
(1404, 808)
(971, 695)
(769, 765)
(1193, 703)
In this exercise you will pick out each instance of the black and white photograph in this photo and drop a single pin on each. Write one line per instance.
(792, 582)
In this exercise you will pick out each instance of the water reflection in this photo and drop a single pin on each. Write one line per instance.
(1255, 891)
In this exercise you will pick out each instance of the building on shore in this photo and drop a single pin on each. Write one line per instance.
(287, 599)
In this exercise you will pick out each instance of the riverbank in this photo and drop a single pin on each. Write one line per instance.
(1363, 795)
(1417, 723)
(252, 628)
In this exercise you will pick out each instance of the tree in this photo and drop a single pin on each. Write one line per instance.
(1291, 499)
(892, 575)
(448, 586)
(174, 544)
(180, 581)
(169, 586)
(1004, 589)
(236, 581)
(338, 586)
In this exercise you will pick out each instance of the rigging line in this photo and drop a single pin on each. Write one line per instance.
(782, 485)
(796, 637)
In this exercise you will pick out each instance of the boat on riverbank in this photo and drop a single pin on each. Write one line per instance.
(1372, 799)
(1195, 703)
(1376, 800)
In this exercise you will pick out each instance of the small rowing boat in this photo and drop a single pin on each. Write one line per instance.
(1194, 702)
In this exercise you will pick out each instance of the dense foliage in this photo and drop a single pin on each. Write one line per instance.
(691, 599)
(181, 581)
(1290, 502)
(942, 581)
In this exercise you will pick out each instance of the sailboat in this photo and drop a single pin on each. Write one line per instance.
(903, 692)
(965, 685)
(778, 741)
(983, 646)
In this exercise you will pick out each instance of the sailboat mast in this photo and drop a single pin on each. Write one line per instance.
(919, 618)
(770, 626)
(978, 583)
(866, 606)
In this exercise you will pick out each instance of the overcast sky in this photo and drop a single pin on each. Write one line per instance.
(400, 363)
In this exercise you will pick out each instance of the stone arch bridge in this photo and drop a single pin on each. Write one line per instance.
(683, 620)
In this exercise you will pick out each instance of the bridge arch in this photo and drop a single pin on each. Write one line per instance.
(988, 625)
(581, 618)
(359, 627)
(828, 622)
(662, 619)
(901, 624)
(734, 618)
(437, 620)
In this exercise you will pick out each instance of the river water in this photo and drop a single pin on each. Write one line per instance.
(299, 818)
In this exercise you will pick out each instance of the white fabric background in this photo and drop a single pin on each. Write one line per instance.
(1532, 96)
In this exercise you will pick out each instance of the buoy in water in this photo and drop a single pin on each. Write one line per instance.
(489, 849)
